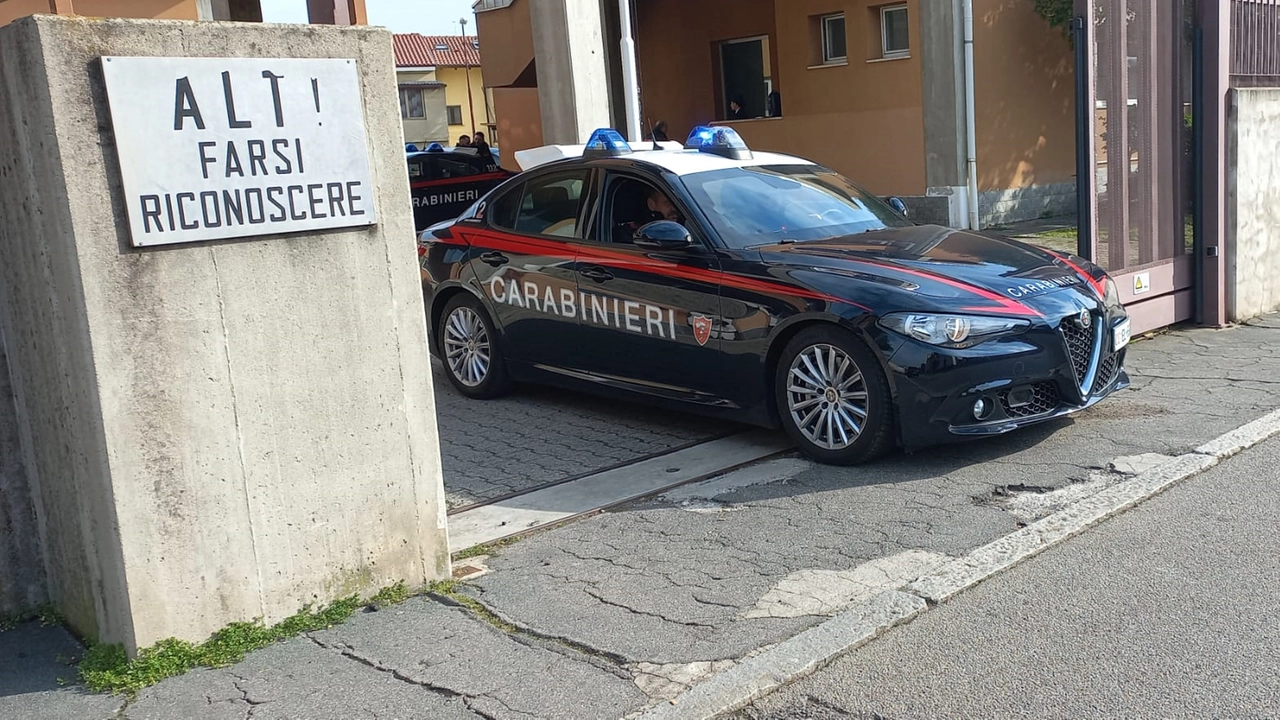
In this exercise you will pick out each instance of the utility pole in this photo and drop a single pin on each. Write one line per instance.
(471, 107)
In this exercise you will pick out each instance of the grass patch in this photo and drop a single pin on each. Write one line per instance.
(106, 668)
(391, 595)
(449, 589)
(46, 614)
(1066, 233)
(486, 549)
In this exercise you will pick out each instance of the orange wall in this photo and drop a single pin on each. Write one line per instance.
(1024, 88)
(155, 9)
(519, 121)
(10, 10)
(506, 42)
(864, 119)
(677, 55)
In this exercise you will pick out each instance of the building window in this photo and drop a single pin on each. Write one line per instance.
(833, 39)
(411, 105)
(455, 114)
(895, 38)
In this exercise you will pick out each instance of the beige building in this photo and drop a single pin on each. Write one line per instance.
(872, 88)
(442, 91)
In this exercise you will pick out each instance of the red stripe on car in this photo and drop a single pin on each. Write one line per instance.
(618, 259)
(1012, 307)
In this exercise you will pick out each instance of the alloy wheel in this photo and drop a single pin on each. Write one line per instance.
(827, 397)
(466, 346)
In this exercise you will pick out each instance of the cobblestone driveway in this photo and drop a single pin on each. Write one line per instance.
(541, 436)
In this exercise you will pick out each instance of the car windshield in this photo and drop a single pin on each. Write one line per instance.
(770, 204)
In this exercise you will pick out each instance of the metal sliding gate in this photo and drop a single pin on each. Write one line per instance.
(1136, 160)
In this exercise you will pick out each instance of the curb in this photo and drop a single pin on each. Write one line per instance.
(810, 650)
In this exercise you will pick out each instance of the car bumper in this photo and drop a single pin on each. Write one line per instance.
(1023, 381)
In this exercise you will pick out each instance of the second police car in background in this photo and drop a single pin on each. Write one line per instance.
(445, 181)
(764, 289)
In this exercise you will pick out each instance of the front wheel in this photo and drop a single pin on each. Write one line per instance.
(469, 350)
(833, 397)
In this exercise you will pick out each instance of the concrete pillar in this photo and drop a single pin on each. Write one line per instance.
(573, 77)
(22, 577)
(942, 75)
(220, 430)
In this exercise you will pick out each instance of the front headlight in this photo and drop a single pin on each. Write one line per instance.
(952, 331)
(1112, 293)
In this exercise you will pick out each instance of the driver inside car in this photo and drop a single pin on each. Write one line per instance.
(661, 206)
(644, 204)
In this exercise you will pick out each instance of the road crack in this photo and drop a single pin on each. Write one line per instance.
(443, 692)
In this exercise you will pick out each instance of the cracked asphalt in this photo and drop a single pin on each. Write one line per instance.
(628, 607)
(1167, 611)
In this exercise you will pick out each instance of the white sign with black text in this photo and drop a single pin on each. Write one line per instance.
(216, 148)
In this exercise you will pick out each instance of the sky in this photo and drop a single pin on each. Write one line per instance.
(429, 17)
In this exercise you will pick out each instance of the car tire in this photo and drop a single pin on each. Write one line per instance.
(833, 397)
(469, 349)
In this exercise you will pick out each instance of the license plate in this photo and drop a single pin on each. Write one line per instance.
(1122, 335)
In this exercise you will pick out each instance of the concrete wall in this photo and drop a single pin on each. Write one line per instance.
(221, 431)
(22, 579)
(573, 88)
(1253, 203)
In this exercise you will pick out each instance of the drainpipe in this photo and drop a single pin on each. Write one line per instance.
(975, 222)
(630, 81)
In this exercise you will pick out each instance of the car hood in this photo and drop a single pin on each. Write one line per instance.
(941, 262)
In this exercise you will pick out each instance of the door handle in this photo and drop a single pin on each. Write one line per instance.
(596, 273)
(494, 258)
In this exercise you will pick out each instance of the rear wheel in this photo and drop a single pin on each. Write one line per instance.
(469, 351)
(833, 397)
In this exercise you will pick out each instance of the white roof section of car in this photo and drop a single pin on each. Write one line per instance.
(672, 158)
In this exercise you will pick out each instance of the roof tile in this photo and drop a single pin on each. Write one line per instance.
(415, 50)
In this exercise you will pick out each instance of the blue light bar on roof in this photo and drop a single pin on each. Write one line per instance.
(606, 142)
(722, 141)
(435, 147)
(410, 147)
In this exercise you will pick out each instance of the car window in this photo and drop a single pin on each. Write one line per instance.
(455, 167)
(552, 203)
(630, 204)
(418, 169)
(765, 205)
(504, 208)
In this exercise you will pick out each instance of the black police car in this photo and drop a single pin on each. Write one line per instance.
(765, 289)
(444, 182)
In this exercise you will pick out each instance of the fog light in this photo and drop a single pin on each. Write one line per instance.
(982, 408)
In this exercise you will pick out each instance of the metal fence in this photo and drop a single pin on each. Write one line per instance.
(1255, 42)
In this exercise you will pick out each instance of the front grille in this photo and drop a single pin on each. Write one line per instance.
(1079, 346)
(1107, 371)
(1044, 398)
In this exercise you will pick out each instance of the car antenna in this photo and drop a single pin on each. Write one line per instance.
(652, 137)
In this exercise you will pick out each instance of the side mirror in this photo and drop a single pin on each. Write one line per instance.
(663, 235)
(896, 203)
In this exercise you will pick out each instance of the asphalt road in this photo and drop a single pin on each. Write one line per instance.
(1166, 611)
